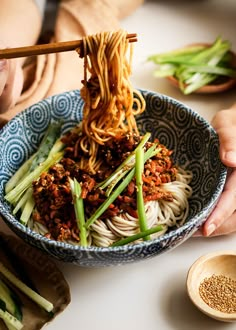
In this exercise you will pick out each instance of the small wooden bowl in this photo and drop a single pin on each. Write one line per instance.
(218, 86)
(216, 263)
(208, 89)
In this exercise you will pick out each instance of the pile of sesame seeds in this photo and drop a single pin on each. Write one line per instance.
(219, 292)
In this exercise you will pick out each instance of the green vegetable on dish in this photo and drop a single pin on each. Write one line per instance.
(10, 304)
(196, 66)
(79, 210)
(139, 168)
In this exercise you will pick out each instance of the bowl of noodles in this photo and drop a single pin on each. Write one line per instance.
(108, 174)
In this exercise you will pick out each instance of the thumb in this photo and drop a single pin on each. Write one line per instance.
(224, 123)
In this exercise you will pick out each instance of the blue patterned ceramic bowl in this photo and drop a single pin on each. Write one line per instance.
(195, 146)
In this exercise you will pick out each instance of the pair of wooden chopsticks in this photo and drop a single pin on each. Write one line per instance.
(55, 47)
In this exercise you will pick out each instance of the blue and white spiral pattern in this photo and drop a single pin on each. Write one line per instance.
(195, 146)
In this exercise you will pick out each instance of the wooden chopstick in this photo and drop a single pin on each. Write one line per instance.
(55, 47)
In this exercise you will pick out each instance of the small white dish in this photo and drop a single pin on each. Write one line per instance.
(221, 263)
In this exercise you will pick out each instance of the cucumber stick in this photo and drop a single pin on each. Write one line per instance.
(11, 300)
(38, 299)
(48, 141)
(9, 326)
(11, 322)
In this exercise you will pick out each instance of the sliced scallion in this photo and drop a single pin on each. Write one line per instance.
(139, 167)
(79, 210)
(137, 236)
(196, 66)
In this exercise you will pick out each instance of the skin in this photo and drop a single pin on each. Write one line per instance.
(222, 220)
(13, 15)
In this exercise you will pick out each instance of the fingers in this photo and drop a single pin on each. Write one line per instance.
(224, 123)
(223, 218)
(228, 227)
(224, 209)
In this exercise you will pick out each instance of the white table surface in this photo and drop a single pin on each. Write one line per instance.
(152, 294)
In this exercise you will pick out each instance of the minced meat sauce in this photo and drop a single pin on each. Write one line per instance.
(53, 198)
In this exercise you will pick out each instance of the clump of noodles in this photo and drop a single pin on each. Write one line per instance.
(111, 103)
(160, 212)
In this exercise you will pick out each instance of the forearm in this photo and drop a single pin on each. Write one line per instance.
(20, 23)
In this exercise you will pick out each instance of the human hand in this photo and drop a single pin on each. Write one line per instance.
(222, 220)
(11, 83)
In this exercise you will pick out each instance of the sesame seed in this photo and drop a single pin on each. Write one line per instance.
(219, 292)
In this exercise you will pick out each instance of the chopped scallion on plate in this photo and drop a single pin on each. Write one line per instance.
(196, 66)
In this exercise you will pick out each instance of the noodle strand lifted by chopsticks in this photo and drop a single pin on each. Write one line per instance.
(106, 139)
(108, 94)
